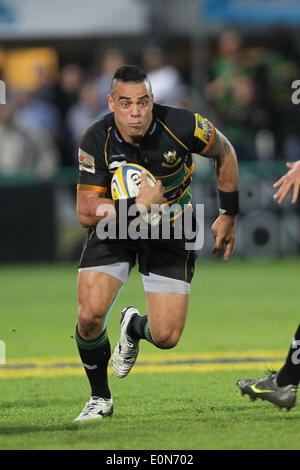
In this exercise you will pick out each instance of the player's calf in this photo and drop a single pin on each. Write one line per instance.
(138, 328)
(166, 339)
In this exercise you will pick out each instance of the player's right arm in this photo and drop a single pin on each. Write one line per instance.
(89, 205)
(289, 181)
(94, 184)
(94, 180)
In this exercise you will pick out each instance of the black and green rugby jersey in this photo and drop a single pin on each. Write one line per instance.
(165, 150)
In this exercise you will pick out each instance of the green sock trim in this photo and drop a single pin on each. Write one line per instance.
(147, 333)
(91, 345)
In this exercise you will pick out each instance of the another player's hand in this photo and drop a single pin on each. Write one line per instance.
(149, 195)
(224, 229)
(291, 180)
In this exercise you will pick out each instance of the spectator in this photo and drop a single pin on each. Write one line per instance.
(280, 71)
(226, 67)
(67, 88)
(167, 85)
(272, 122)
(34, 115)
(84, 113)
(244, 117)
(21, 150)
(65, 96)
(235, 95)
(61, 92)
(112, 60)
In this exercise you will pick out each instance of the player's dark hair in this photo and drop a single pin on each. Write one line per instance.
(129, 73)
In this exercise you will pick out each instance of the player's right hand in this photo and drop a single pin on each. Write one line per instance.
(289, 181)
(149, 195)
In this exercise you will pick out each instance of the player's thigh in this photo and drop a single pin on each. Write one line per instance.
(166, 316)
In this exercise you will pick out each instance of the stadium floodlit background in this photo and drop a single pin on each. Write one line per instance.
(233, 61)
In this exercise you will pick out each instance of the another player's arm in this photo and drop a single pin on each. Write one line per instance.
(289, 181)
(225, 161)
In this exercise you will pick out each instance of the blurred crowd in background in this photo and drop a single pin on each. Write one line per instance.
(49, 105)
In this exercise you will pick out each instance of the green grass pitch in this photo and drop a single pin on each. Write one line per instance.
(235, 307)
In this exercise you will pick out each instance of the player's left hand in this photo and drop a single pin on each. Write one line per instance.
(224, 229)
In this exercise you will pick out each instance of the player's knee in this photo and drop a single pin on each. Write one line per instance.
(90, 318)
(166, 340)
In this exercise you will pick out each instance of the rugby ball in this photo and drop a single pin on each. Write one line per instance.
(126, 181)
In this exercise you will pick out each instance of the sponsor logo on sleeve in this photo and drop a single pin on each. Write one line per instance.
(86, 161)
(203, 128)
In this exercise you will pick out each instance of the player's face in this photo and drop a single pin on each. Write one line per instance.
(132, 104)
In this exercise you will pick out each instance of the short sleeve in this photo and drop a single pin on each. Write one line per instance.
(204, 133)
(93, 173)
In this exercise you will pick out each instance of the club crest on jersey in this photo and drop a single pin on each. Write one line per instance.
(171, 159)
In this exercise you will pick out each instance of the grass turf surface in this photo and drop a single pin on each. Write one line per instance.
(234, 306)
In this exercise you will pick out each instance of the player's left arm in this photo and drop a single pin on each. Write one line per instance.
(226, 166)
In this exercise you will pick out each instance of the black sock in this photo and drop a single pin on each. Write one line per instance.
(138, 328)
(289, 374)
(95, 355)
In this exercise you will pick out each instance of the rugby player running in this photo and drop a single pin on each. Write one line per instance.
(162, 139)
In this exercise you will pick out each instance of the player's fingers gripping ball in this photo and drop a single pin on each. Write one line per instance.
(126, 183)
